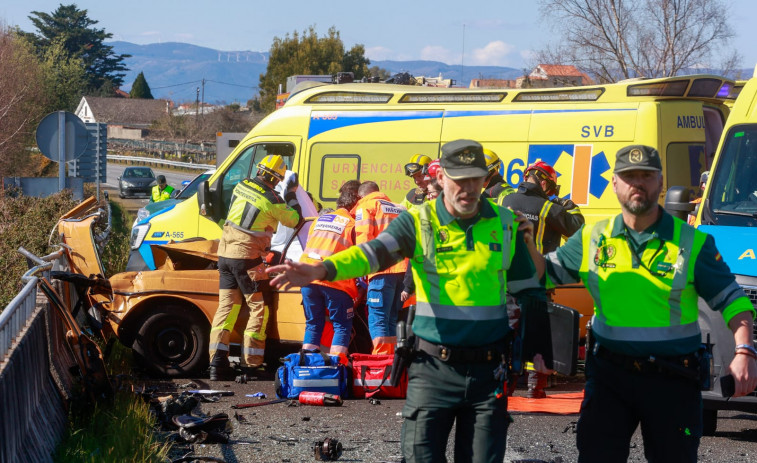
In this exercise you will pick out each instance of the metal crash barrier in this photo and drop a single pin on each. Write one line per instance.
(35, 369)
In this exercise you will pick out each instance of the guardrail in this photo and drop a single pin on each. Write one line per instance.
(37, 366)
(161, 162)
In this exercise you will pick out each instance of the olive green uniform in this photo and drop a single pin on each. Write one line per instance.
(462, 269)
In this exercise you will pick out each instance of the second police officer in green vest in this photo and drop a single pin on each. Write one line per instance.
(465, 252)
(645, 270)
(161, 191)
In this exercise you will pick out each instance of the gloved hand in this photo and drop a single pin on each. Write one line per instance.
(292, 183)
(565, 202)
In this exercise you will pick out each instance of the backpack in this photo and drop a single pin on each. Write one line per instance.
(311, 371)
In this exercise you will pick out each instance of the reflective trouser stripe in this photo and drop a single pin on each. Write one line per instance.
(229, 305)
(219, 346)
(253, 351)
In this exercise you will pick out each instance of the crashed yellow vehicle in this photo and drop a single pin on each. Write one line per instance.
(164, 315)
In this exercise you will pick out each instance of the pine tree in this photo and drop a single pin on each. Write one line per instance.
(73, 29)
(140, 88)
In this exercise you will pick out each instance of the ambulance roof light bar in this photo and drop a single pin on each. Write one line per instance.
(349, 98)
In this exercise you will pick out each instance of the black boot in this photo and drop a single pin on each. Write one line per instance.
(220, 369)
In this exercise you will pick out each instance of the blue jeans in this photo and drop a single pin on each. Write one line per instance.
(316, 299)
(383, 301)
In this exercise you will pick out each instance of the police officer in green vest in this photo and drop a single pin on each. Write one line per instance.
(161, 191)
(645, 270)
(466, 253)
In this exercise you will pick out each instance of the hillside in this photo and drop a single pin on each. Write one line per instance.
(175, 71)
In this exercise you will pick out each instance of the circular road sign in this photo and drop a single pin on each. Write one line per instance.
(76, 137)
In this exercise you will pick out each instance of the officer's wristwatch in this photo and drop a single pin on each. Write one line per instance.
(752, 351)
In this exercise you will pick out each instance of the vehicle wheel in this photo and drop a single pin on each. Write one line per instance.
(173, 341)
(709, 422)
(121, 195)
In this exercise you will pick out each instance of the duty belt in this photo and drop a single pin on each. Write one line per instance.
(686, 366)
(456, 354)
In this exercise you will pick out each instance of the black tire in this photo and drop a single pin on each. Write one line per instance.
(709, 422)
(173, 341)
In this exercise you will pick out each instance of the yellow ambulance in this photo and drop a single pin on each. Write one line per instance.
(332, 133)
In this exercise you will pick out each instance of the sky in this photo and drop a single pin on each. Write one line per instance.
(486, 32)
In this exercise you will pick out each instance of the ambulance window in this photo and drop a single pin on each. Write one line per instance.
(245, 166)
(734, 186)
(713, 129)
(684, 163)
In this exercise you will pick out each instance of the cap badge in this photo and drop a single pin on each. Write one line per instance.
(466, 157)
(635, 156)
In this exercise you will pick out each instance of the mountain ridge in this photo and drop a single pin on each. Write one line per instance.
(176, 70)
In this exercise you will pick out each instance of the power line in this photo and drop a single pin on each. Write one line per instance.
(234, 85)
(177, 85)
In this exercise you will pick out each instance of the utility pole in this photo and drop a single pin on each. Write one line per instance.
(203, 97)
(197, 110)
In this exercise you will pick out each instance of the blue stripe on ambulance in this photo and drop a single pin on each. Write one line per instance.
(737, 246)
(323, 121)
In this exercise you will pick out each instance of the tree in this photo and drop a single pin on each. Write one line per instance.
(74, 30)
(621, 39)
(22, 103)
(354, 61)
(140, 88)
(306, 53)
(63, 78)
(381, 73)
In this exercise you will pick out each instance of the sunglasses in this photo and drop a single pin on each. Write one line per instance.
(413, 168)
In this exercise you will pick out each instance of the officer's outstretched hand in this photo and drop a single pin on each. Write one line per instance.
(525, 226)
(292, 274)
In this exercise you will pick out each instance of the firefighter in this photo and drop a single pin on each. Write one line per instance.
(254, 214)
(552, 220)
(466, 253)
(161, 191)
(373, 213)
(495, 186)
(414, 169)
(331, 233)
(645, 270)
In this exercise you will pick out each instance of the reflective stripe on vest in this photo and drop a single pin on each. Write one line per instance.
(542, 226)
(631, 304)
(373, 214)
(330, 234)
(247, 202)
(460, 292)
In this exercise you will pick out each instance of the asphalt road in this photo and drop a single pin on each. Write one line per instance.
(371, 433)
(173, 177)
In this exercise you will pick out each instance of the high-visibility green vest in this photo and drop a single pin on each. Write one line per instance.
(161, 195)
(643, 308)
(460, 277)
(253, 206)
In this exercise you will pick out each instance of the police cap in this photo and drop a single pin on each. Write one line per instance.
(463, 159)
(637, 157)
